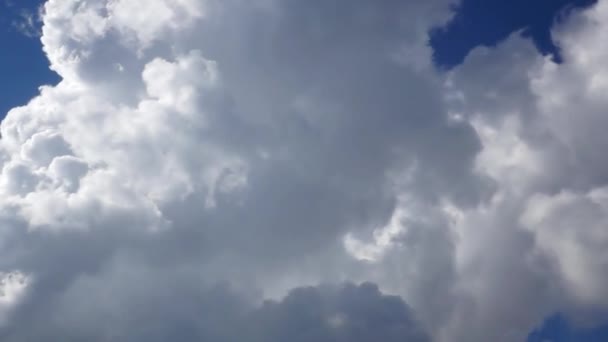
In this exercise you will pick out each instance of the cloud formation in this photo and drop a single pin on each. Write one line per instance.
(540, 125)
(204, 165)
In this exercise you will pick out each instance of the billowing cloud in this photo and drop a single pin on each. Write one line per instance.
(536, 246)
(204, 165)
(192, 144)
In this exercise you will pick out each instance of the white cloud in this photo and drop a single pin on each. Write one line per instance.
(232, 142)
(570, 228)
(536, 246)
(211, 154)
(13, 286)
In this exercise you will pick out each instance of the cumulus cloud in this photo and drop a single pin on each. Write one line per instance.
(535, 246)
(205, 143)
(203, 165)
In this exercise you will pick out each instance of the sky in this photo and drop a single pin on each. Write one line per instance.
(339, 170)
(24, 64)
(479, 22)
(558, 329)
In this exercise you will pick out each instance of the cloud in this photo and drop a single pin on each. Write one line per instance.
(204, 165)
(347, 313)
(323, 313)
(534, 248)
(197, 143)
(567, 223)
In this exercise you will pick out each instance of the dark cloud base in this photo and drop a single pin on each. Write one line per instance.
(347, 313)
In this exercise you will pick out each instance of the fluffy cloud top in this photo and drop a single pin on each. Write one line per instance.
(204, 165)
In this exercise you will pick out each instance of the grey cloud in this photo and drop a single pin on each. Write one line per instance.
(326, 313)
(350, 313)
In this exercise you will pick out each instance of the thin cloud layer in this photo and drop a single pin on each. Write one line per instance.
(201, 157)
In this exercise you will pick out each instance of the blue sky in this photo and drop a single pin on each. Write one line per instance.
(483, 22)
(558, 329)
(24, 68)
(23, 63)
